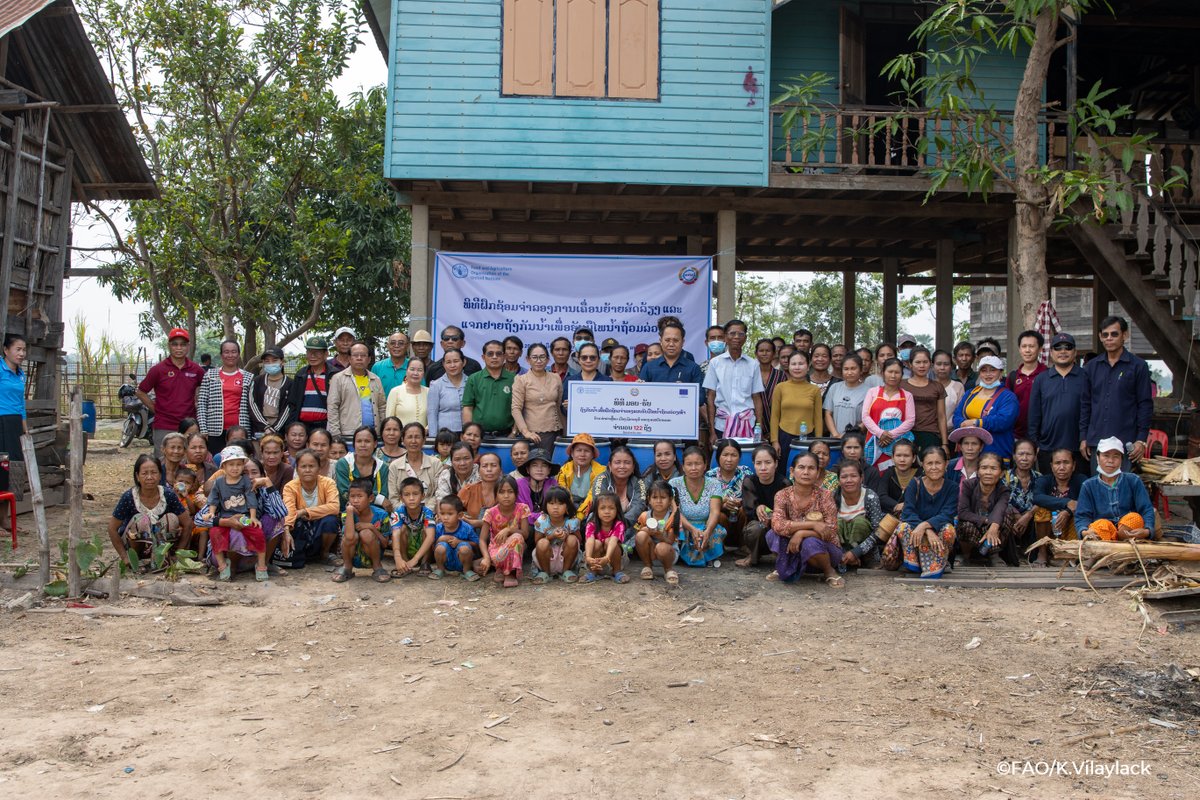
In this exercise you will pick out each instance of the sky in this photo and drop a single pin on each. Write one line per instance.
(85, 299)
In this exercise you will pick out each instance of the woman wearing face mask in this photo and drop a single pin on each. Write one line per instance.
(270, 396)
(990, 406)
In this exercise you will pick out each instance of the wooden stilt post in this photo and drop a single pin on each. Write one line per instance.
(39, 511)
(420, 265)
(75, 531)
(944, 294)
(726, 265)
(849, 308)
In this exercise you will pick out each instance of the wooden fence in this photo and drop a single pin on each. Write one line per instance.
(100, 384)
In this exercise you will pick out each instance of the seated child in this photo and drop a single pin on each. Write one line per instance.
(457, 543)
(187, 487)
(556, 537)
(605, 533)
(362, 542)
(505, 527)
(412, 525)
(234, 506)
(442, 444)
(657, 537)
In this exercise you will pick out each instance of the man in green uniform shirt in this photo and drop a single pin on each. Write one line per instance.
(487, 398)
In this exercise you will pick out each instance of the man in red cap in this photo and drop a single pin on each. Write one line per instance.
(174, 381)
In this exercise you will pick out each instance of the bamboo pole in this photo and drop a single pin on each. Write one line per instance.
(39, 511)
(74, 582)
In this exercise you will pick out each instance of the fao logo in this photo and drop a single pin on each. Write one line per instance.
(688, 275)
(459, 270)
(634, 392)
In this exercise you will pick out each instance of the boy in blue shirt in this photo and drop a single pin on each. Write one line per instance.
(412, 529)
(361, 523)
(457, 542)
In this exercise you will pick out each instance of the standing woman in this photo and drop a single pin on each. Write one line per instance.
(929, 399)
(665, 466)
(888, 414)
(844, 399)
(803, 532)
(618, 362)
(758, 499)
(925, 536)
(819, 372)
(223, 399)
(883, 353)
(796, 409)
(414, 462)
(446, 394)
(764, 351)
(536, 400)
(943, 373)
(12, 401)
(701, 537)
(589, 370)
(409, 401)
(990, 406)
(560, 350)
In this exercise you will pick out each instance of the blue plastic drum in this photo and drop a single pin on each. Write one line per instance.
(502, 448)
(430, 448)
(604, 446)
(835, 449)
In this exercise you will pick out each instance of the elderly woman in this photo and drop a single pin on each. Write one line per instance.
(409, 401)
(622, 479)
(985, 517)
(701, 536)
(390, 434)
(924, 539)
(148, 515)
(803, 532)
(446, 394)
(414, 463)
(1113, 505)
(971, 443)
(274, 466)
(537, 400)
(481, 495)
(991, 406)
(174, 456)
(1055, 499)
(758, 499)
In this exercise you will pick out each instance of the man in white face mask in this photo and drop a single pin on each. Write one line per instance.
(1114, 505)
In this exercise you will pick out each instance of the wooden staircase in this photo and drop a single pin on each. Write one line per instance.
(1149, 262)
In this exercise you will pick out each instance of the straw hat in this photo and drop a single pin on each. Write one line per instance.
(982, 434)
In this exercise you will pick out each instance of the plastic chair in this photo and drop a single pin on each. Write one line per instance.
(1156, 438)
(11, 499)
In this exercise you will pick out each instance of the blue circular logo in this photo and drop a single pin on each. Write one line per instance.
(459, 270)
(689, 275)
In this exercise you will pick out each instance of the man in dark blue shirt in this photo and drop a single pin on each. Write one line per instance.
(673, 366)
(1116, 398)
(1054, 406)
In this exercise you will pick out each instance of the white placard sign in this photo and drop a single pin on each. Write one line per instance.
(634, 410)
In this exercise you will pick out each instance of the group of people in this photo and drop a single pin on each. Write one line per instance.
(349, 463)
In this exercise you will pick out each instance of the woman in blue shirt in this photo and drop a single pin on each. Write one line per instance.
(12, 403)
(925, 537)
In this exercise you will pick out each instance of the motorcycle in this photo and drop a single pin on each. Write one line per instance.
(139, 421)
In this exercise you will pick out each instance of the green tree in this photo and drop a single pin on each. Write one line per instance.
(271, 203)
(969, 139)
(926, 300)
(777, 308)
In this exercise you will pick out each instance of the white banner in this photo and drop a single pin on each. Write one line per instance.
(539, 298)
(634, 410)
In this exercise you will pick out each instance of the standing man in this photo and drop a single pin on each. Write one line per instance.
(487, 398)
(673, 366)
(206, 361)
(734, 388)
(964, 363)
(310, 388)
(802, 340)
(1020, 380)
(343, 339)
(174, 381)
(391, 370)
(224, 399)
(1116, 398)
(452, 339)
(355, 396)
(1054, 405)
(513, 348)
(422, 347)
(714, 343)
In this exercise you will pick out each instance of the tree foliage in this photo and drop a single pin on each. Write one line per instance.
(272, 208)
(777, 308)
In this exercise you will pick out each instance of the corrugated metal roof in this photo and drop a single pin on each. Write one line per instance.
(14, 13)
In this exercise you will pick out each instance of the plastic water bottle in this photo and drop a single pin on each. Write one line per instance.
(803, 430)
(1054, 525)
(757, 432)
(985, 548)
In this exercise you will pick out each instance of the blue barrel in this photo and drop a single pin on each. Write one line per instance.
(89, 417)
(643, 451)
(430, 448)
(603, 446)
(502, 448)
(835, 449)
(747, 457)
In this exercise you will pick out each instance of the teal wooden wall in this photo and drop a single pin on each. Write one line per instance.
(448, 121)
(804, 40)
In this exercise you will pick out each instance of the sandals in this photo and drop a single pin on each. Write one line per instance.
(343, 574)
(333, 560)
(541, 578)
(647, 573)
(436, 574)
(262, 575)
(836, 582)
(398, 574)
(226, 573)
(672, 577)
(511, 582)
(381, 575)
(569, 576)
(621, 577)
(470, 576)
(591, 577)
(773, 577)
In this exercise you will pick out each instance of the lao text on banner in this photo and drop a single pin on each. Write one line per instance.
(634, 410)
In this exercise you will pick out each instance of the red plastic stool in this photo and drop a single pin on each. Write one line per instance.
(1156, 438)
(11, 499)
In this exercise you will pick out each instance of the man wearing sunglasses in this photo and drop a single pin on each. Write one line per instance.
(452, 339)
(1054, 406)
(1117, 398)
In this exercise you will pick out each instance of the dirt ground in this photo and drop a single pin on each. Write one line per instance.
(728, 687)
